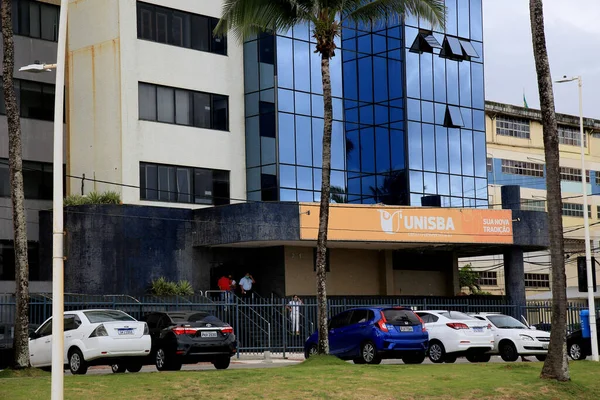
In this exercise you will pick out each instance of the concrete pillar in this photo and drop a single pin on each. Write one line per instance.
(453, 278)
(386, 273)
(514, 267)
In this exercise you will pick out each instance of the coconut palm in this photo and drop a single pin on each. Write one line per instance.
(245, 18)
(556, 365)
(15, 166)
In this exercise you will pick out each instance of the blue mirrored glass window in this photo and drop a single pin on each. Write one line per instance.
(285, 63)
(429, 147)
(287, 176)
(287, 139)
(415, 150)
(301, 66)
(303, 141)
(467, 152)
(454, 152)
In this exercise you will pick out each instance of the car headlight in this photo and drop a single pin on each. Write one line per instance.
(526, 338)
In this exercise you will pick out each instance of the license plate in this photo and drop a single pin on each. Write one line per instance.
(406, 329)
(125, 331)
(545, 346)
(208, 334)
(477, 329)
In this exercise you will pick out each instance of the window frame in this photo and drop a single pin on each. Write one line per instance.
(18, 18)
(524, 168)
(215, 45)
(570, 136)
(217, 177)
(536, 281)
(193, 98)
(513, 127)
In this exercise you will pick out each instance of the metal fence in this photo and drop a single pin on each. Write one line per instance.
(271, 323)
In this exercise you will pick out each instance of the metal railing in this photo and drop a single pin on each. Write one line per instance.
(262, 324)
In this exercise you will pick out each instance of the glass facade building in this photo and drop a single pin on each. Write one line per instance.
(408, 113)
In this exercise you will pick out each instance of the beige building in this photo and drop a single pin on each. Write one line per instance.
(515, 156)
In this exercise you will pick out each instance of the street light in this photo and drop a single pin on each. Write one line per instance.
(57, 205)
(586, 224)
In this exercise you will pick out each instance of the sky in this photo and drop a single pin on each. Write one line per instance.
(573, 43)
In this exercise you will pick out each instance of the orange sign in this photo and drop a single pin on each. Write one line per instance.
(408, 224)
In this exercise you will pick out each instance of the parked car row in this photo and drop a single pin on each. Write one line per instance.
(369, 335)
(112, 337)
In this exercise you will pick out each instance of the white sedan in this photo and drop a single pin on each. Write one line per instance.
(454, 334)
(514, 339)
(93, 337)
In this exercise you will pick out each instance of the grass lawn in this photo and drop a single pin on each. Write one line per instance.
(320, 378)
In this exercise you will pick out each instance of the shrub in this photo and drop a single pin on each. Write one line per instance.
(163, 287)
(108, 197)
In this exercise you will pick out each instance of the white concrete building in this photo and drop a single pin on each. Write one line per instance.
(154, 101)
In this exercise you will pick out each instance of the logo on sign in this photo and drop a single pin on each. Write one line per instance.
(396, 222)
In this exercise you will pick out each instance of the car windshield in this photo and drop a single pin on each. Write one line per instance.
(455, 315)
(401, 317)
(506, 322)
(107, 316)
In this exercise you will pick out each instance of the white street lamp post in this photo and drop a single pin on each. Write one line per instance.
(57, 206)
(588, 252)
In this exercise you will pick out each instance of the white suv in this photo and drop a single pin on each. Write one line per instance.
(454, 334)
(513, 338)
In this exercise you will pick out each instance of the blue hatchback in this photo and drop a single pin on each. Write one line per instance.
(368, 335)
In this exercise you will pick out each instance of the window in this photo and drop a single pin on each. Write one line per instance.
(46, 329)
(37, 180)
(178, 28)
(327, 260)
(7, 262)
(533, 205)
(106, 316)
(488, 278)
(170, 183)
(575, 210)
(35, 19)
(490, 164)
(537, 280)
(340, 320)
(453, 117)
(72, 322)
(359, 317)
(36, 100)
(425, 42)
(510, 126)
(183, 107)
(571, 136)
(573, 174)
(522, 168)
(458, 49)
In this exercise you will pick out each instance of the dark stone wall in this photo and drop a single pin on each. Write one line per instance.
(119, 249)
(247, 222)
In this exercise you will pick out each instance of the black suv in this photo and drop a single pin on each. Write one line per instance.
(188, 337)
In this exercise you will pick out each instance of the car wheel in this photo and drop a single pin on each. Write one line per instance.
(414, 358)
(575, 352)
(541, 358)
(77, 364)
(134, 367)
(508, 352)
(165, 362)
(311, 351)
(222, 362)
(450, 359)
(368, 353)
(118, 368)
(437, 352)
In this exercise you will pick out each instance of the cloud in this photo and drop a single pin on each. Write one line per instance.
(571, 39)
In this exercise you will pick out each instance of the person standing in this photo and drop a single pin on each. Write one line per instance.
(246, 284)
(294, 307)
(224, 284)
(231, 290)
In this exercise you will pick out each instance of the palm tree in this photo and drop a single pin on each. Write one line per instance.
(556, 365)
(245, 18)
(15, 162)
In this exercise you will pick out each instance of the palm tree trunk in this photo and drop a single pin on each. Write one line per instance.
(21, 339)
(324, 209)
(556, 365)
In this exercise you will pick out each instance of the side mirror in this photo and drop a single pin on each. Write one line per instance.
(533, 328)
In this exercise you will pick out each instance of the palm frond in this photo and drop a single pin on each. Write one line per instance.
(377, 11)
(244, 18)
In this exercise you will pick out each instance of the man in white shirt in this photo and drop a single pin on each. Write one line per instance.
(246, 285)
(294, 307)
